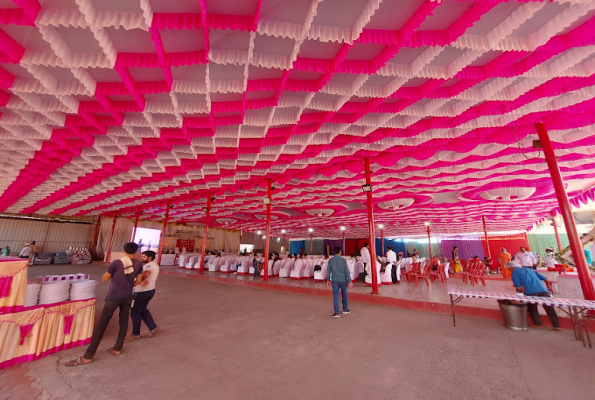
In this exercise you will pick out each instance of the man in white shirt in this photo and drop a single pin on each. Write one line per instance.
(391, 257)
(143, 294)
(365, 259)
(25, 252)
(525, 258)
(550, 261)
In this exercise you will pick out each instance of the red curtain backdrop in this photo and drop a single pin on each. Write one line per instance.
(187, 244)
(352, 246)
(511, 243)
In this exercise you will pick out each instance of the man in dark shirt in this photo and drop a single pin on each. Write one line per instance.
(124, 273)
(339, 277)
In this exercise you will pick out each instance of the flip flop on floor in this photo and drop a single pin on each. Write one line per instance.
(114, 352)
(153, 332)
(77, 362)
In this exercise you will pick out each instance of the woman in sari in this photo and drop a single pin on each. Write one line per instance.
(456, 263)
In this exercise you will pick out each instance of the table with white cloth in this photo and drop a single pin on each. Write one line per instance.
(168, 259)
(13, 284)
(38, 331)
(576, 309)
(355, 269)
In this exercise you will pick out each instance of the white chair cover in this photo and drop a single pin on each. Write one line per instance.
(386, 277)
(378, 279)
(297, 271)
(286, 268)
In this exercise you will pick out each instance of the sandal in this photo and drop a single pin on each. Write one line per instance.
(131, 338)
(153, 332)
(114, 352)
(77, 362)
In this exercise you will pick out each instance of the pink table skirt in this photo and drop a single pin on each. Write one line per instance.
(39, 331)
(13, 284)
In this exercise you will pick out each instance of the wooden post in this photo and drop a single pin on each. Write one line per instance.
(108, 253)
(163, 229)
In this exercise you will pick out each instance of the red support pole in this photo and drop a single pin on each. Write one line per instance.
(311, 241)
(343, 242)
(108, 253)
(382, 242)
(576, 246)
(203, 252)
(284, 246)
(485, 231)
(135, 223)
(430, 242)
(371, 228)
(267, 243)
(555, 225)
(94, 237)
(163, 228)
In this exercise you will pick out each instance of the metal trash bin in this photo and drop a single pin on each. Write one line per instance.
(515, 315)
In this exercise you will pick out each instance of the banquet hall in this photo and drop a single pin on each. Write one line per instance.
(212, 131)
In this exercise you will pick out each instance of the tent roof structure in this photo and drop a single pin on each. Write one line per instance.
(110, 105)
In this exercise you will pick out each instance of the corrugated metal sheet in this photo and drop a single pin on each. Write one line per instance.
(50, 237)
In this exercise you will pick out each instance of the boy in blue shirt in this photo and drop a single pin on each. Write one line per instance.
(532, 283)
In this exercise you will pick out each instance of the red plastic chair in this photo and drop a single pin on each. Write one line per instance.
(477, 275)
(438, 274)
(471, 268)
(415, 268)
(424, 275)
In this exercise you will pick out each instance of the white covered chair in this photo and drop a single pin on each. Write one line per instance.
(369, 275)
(226, 266)
(192, 261)
(213, 264)
(358, 268)
(386, 276)
(320, 276)
(277, 267)
(285, 270)
(245, 267)
(298, 270)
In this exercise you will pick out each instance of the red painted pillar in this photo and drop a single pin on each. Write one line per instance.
(371, 228)
(163, 228)
(430, 242)
(284, 245)
(108, 253)
(485, 231)
(343, 242)
(135, 223)
(555, 225)
(94, 237)
(203, 252)
(576, 246)
(311, 242)
(267, 243)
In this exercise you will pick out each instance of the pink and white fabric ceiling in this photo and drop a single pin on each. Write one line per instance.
(108, 105)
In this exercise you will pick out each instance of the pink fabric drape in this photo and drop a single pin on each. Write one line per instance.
(5, 283)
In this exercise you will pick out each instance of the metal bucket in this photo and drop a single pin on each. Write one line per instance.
(515, 315)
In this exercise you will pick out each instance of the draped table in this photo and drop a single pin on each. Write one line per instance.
(39, 331)
(13, 284)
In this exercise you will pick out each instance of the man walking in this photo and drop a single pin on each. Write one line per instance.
(143, 294)
(340, 278)
(124, 274)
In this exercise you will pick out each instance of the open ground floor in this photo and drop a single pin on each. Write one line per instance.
(221, 341)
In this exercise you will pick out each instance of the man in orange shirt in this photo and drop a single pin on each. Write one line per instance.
(504, 258)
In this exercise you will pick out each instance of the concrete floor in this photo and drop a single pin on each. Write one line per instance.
(229, 342)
